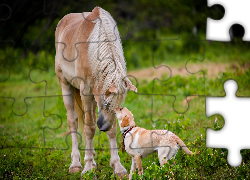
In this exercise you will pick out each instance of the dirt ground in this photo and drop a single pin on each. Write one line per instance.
(212, 70)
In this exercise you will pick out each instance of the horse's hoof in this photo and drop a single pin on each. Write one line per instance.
(75, 169)
(120, 175)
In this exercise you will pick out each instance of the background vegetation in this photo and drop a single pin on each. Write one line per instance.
(33, 117)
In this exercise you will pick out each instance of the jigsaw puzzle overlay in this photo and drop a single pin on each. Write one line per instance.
(172, 54)
(234, 134)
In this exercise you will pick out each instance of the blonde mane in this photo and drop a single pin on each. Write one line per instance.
(106, 57)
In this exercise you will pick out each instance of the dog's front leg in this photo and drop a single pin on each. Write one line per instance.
(139, 164)
(133, 168)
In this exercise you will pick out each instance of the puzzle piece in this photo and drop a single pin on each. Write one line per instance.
(5, 12)
(48, 128)
(234, 134)
(80, 40)
(5, 70)
(41, 75)
(19, 96)
(149, 27)
(162, 78)
(235, 12)
(10, 73)
(163, 114)
(53, 5)
(155, 20)
(145, 142)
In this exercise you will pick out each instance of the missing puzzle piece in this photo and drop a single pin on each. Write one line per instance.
(6, 12)
(235, 134)
(235, 12)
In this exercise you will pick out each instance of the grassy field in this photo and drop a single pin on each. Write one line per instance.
(33, 116)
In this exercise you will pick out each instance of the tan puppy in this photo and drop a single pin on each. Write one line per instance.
(139, 142)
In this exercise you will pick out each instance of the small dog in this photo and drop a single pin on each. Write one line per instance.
(139, 142)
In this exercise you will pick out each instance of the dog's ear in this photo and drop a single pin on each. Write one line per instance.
(125, 121)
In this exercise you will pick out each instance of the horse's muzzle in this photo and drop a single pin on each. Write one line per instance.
(102, 123)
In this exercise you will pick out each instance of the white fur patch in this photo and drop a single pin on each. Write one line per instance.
(135, 141)
(173, 151)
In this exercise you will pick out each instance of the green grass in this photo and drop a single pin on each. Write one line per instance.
(30, 147)
(24, 154)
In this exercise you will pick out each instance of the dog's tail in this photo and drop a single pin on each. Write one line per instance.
(183, 146)
(79, 111)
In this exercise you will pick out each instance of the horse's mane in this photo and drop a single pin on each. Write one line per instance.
(106, 57)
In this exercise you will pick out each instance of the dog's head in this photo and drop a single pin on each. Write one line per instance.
(109, 100)
(125, 118)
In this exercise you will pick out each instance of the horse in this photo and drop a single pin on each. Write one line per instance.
(91, 69)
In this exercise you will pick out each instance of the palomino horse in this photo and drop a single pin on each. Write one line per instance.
(91, 70)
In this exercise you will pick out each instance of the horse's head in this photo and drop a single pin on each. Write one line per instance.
(107, 102)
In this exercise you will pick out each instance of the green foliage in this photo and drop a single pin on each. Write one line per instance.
(30, 149)
(25, 155)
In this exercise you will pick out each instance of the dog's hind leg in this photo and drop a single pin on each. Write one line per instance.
(133, 168)
(163, 153)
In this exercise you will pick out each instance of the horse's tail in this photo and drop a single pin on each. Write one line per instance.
(79, 108)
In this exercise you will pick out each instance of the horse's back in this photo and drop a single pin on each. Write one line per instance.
(71, 37)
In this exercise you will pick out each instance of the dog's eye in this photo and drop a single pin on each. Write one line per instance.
(121, 109)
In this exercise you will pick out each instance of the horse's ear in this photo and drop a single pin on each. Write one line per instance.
(112, 88)
(125, 121)
(129, 85)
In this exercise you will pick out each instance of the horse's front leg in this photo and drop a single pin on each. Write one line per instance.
(115, 159)
(68, 99)
(72, 119)
(89, 130)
